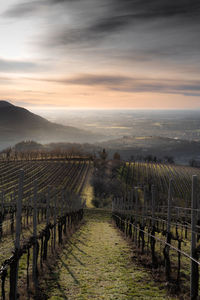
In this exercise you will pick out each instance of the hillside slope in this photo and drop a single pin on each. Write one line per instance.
(17, 123)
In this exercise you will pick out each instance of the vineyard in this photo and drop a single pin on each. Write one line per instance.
(41, 204)
(58, 174)
(160, 212)
(157, 174)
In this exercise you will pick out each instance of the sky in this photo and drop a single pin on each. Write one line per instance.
(100, 53)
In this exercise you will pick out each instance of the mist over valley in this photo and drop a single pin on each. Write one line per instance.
(134, 134)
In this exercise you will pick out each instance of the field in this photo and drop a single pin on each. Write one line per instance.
(58, 187)
(54, 194)
(160, 212)
(141, 173)
(69, 174)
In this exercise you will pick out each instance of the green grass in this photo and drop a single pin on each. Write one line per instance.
(96, 264)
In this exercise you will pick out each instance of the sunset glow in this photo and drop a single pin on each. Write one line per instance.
(100, 54)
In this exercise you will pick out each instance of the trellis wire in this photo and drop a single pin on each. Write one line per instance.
(124, 220)
(67, 216)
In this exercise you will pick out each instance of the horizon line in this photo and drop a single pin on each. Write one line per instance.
(110, 108)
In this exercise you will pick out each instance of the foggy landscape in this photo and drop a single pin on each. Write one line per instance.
(180, 124)
(132, 133)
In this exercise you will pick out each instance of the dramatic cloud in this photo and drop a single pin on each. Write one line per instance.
(24, 9)
(140, 39)
(156, 8)
(125, 10)
(31, 8)
(130, 84)
(130, 23)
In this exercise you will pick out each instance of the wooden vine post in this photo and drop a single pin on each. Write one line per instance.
(55, 220)
(136, 214)
(145, 202)
(144, 214)
(47, 234)
(35, 235)
(166, 249)
(153, 205)
(15, 264)
(113, 200)
(153, 227)
(1, 214)
(194, 276)
(65, 218)
(48, 206)
(132, 199)
(60, 219)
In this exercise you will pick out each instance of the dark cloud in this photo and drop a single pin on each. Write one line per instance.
(32, 8)
(135, 30)
(158, 8)
(17, 66)
(94, 20)
(24, 9)
(140, 25)
(93, 80)
(130, 84)
(108, 24)
(62, 1)
(125, 10)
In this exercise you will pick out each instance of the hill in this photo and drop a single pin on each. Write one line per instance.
(17, 123)
(135, 147)
(127, 146)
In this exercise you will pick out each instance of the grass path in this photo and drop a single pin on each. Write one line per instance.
(87, 192)
(96, 264)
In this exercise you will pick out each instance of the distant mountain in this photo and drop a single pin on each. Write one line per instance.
(17, 123)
